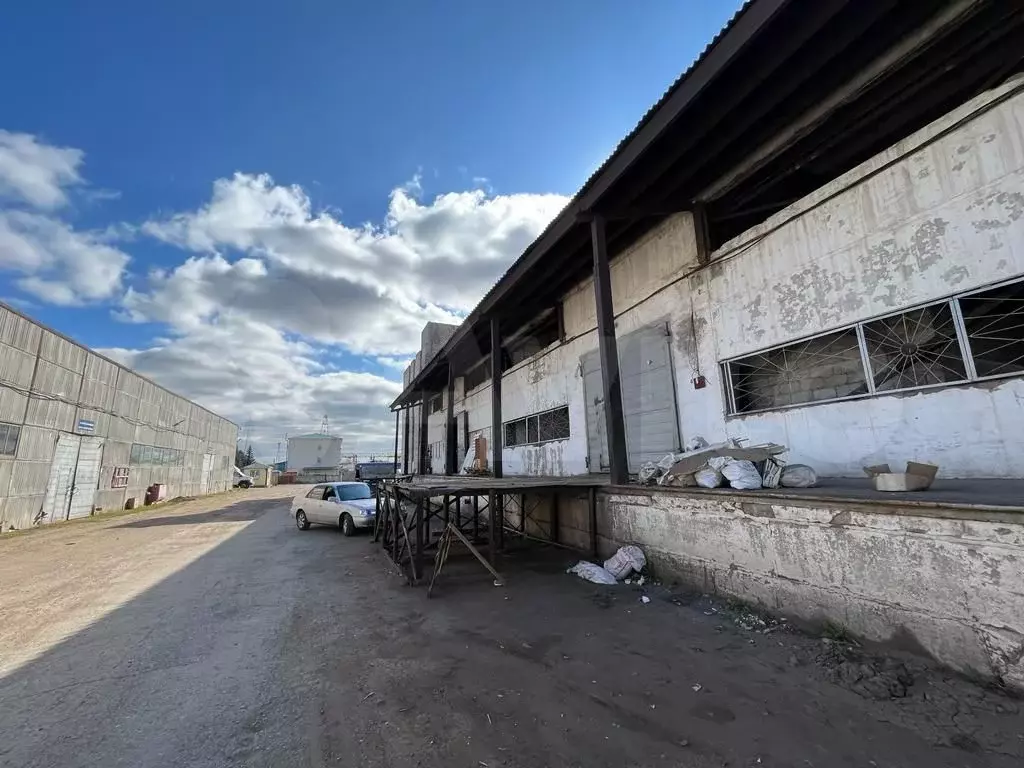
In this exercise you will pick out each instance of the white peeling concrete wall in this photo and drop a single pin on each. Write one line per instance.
(554, 378)
(942, 218)
(952, 588)
(919, 222)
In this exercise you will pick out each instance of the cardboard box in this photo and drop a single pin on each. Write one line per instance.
(918, 477)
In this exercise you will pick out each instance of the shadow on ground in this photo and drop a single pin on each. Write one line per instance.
(281, 647)
(241, 510)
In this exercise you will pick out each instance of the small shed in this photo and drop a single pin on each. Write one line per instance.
(262, 475)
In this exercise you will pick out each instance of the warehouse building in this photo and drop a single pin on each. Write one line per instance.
(80, 433)
(867, 309)
(815, 238)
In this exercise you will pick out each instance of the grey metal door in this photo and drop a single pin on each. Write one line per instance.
(648, 399)
(87, 477)
(62, 478)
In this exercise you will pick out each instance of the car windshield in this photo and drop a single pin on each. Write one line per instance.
(353, 492)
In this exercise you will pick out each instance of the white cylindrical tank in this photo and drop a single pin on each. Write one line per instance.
(313, 451)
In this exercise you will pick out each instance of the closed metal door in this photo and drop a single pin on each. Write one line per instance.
(593, 391)
(648, 399)
(62, 479)
(87, 477)
(204, 478)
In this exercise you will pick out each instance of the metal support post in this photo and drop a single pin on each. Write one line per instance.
(592, 500)
(608, 347)
(397, 413)
(450, 439)
(407, 449)
(424, 448)
(554, 517)
(496, 436)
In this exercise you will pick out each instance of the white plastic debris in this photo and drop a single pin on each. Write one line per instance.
(592, 572)
(710, 476)
(697, 688)
(742, 475)
(798, 476)
(696, 444)
(628, 559)
(645, 599)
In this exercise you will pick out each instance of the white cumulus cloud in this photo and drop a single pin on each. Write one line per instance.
(270, 385)
(54, 262)
(262, 250)
(37, 173)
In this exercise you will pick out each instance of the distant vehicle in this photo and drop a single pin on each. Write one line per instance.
(348, 506)
(239, 479)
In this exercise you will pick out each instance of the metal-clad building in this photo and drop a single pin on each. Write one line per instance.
(80, 433)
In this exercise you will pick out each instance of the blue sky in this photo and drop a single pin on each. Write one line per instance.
(336, 115)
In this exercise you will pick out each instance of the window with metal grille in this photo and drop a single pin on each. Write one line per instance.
(994, 324)
(538, 428)
(969, 337)
(823, 368)
(919, 348)
(9, 436)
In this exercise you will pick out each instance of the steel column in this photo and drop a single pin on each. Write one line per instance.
(397, 414)
(496, 436)
(450, 438)
(609, 352)
(592, 501)
(424, 448)
(406, 447)
(417, 563)
(554, 518)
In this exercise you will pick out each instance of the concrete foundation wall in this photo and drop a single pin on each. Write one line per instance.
(951, 587)
(48, 384)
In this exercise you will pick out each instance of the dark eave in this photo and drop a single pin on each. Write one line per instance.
(789, 95)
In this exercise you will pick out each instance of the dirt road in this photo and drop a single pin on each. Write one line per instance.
(216, 634)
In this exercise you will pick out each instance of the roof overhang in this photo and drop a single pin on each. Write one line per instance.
(791, 94)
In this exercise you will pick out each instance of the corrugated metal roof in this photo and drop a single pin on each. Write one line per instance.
(632, 134)
(574, 202)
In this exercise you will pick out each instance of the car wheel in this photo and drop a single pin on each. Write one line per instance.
(300, 521)
(348, 528)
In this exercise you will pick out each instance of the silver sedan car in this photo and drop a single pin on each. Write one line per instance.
(349, 506)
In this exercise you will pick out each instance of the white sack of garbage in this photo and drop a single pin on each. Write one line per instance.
(628, 559)
(742, 475)
(592, 572)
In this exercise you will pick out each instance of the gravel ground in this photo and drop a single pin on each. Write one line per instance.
(213, 633)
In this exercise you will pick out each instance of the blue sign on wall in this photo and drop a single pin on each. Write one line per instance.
(86, 425)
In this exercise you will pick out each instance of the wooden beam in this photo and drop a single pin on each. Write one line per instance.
(609, 353)
(496, 436)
